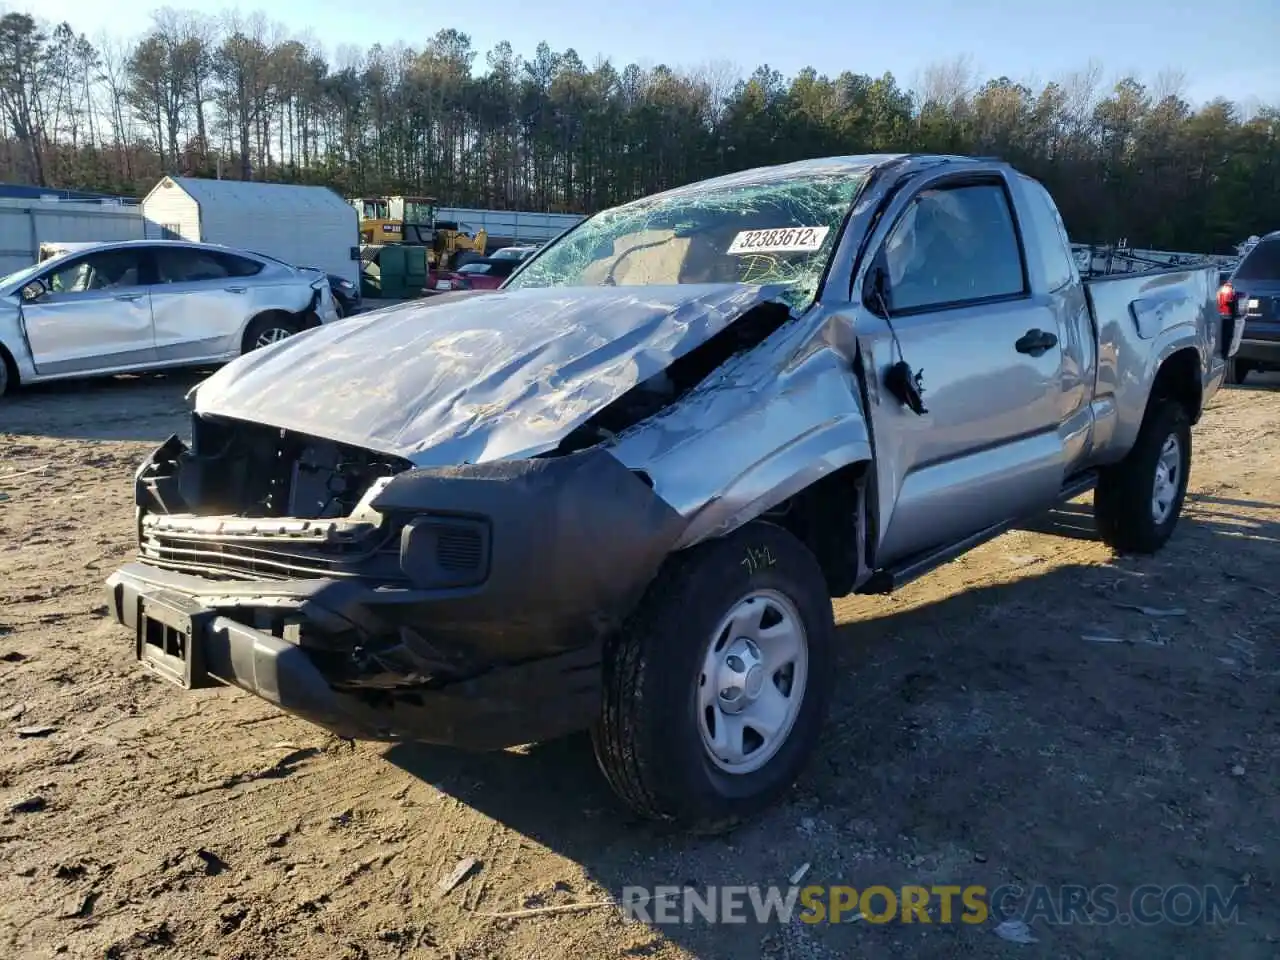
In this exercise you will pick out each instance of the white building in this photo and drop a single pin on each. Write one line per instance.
(302, 225)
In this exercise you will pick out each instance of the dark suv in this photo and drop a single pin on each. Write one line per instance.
(1255, 286)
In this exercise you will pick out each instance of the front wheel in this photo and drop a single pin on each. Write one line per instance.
(717, 689)
(1137, 501)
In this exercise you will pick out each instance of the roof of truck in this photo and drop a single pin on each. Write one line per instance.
(849, 165)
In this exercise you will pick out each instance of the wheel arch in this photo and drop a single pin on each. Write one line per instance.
(825, 505)
(1179, 377)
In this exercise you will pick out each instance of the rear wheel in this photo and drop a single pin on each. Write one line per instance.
(1137, 502)
(268, 329)
(7, 379)
(716, 691)
(1237, 370)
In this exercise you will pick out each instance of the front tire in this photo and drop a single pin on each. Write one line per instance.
(1138, 500)
(716, 690)
(268, 329)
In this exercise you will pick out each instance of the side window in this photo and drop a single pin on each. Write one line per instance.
(953, 245)
(97, 271)
(1051, 235)
(238, 266)
(186, 265)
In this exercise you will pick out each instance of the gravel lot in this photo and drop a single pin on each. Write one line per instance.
(978, 738)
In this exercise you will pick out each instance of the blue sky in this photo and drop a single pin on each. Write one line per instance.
(1209, 43)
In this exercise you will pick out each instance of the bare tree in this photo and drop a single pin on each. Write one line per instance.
(22, 59)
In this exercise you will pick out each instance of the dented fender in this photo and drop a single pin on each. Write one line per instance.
(768, 425)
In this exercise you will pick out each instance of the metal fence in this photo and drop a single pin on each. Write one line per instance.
(510, 226)
(25, 224)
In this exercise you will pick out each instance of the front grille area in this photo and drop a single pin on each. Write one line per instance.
(226, 548)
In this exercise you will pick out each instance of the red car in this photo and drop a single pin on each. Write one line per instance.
(483, 274)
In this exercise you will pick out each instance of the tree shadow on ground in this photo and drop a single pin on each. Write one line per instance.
(975, 739)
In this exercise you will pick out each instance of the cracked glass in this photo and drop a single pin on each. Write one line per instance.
(755, 228)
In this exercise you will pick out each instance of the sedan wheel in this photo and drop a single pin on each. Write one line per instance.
(272, 335)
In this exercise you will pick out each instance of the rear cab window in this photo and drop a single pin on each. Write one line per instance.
(1052, 242)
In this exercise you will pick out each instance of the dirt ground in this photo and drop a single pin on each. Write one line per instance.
(978, 737)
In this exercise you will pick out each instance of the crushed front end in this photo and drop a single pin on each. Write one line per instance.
(462, 605)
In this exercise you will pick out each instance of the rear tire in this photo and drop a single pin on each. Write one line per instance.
(1138, 500)
(268, 329)
(8, 380)
(669, 681)
(1237, 370)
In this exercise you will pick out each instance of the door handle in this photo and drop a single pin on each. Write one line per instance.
(234, 289)
(1036, 342)
(128, 297)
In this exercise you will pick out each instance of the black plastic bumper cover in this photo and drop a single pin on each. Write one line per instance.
(509, 705)
(575, 541)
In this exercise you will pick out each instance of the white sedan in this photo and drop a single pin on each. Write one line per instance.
(149, 304)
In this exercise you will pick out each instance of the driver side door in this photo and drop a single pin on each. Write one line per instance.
(957, 305)
(94, 315)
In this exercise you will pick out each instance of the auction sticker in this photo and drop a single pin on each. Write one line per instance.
(782, 240)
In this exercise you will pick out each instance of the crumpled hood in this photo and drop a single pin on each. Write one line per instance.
(475, 377)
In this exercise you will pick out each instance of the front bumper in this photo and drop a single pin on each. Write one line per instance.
(395, 643)
(522, 703)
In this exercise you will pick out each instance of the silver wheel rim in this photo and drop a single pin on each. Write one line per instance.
(752, 682)
(270, 336)
(1168, 477)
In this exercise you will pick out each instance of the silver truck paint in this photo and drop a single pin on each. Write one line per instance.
(511, 374)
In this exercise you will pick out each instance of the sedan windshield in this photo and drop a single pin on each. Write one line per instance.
(776, 228)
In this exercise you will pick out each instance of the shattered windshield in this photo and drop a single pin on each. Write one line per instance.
(777, 229)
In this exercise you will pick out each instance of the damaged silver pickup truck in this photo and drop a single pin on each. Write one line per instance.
(620, 492)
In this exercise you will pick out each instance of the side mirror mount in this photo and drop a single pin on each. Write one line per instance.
(875, 294)
(32, 291)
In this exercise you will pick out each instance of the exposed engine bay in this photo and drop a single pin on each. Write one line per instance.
(251, 470)
(669, 386)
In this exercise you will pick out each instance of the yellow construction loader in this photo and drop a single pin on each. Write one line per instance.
(387, 220)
